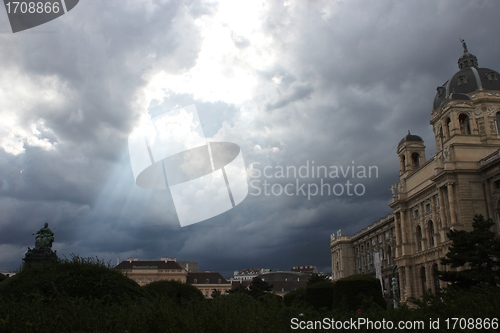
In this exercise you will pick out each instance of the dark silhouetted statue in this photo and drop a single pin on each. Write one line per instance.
(42, 251)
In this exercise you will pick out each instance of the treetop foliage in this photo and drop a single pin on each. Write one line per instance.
(476, 253)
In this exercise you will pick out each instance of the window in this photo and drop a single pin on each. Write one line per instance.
(427, 207)
(195, 281)
(463, 119)
(423, 280)
(430, 230)
(492, 76)
(419, 238)
(415, 158)
(462, 80)
(447, 128)
(441, 137)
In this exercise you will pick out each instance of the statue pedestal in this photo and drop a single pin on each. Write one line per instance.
(38, 256)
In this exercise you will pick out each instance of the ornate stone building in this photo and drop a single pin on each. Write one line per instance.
(437, 194)
(146, 271)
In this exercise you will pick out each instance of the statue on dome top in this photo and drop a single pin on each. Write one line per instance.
(464, 45)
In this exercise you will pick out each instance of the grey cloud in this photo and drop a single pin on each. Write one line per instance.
(352, 84)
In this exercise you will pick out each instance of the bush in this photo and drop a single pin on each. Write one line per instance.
(173, 290)
(320, 295)
(296, 296)
(79, 278)
(357, 292)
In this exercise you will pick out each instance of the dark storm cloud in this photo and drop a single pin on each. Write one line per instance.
(348, 80)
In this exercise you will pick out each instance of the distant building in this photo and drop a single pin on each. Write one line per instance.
(305, 269)
(146, 271)
(207, 282)
(435, 195)
(169, 269)
(284, 282)
(189, 266)
(248, 274)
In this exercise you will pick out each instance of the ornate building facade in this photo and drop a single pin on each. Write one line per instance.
(437, 194)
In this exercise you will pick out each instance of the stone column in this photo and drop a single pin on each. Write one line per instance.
(408, 279)
(398, 229)
(451, 198)
(422, 226)
(428, 277)
(402, 283)
(434, 220)
(403, 227)
(442, 215)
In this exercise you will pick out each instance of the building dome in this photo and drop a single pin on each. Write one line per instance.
(410, 138)
(468, 79)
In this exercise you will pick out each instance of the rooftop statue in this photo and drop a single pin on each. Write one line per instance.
(464, 45)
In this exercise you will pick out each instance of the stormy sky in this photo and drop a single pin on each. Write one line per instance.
(294, 83)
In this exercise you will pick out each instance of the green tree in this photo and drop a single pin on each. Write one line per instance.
(215, 293)
(259, 287)
(173, 290)
(316, 278)
(477, 253)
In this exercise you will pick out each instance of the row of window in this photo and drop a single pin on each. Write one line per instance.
(388, 234)
(430, 235)
(427, 207)
(148, 280)
(207, 281)
(366, 261)
(464, 124)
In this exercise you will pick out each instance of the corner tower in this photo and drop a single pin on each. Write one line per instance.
(411, 152)
(465, 110)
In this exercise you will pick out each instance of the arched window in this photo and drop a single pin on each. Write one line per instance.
(463, 119)
(447, 128)
(415, 158)
(430, 232)
(419, 238)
